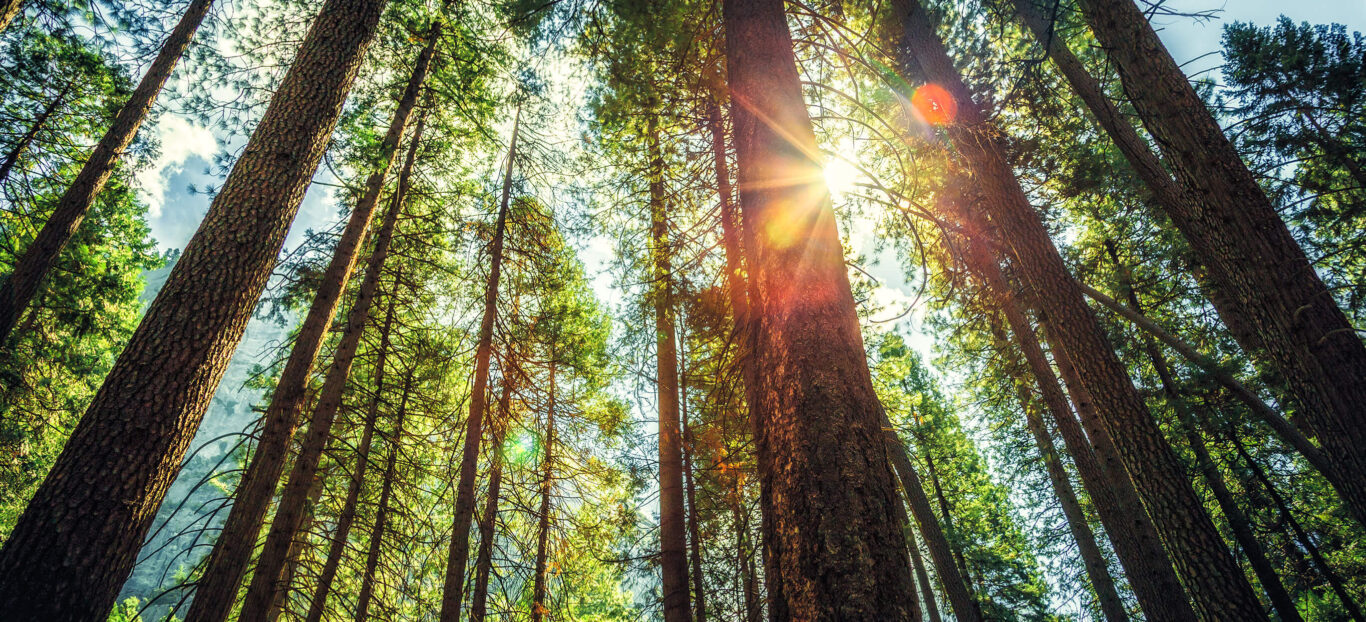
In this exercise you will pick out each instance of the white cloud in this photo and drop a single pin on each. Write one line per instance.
(180, 139)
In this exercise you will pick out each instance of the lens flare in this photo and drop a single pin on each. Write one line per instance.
(934, 105)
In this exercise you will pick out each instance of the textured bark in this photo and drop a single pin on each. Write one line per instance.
(78, 539)
(694, 531)
(828, 495)
(941, 552)
(39, 124)
(265, 580)
(538, 589)
(9, 9)
(1217, 586)
(347, 517)
(19, 288)
(232, 551)
(296, 550)
(926, 588)
(459, 553)
(673, 544)
(955, 542)
(1103, 475)
(483, 559)
(367, 581)
(1252, 259)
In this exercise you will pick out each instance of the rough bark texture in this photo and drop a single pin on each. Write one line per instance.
(232, 551)
(19, 288)
(459, 553)
(78, 539)
(1217, 586)
(835, 548)
(9, 9)
(296, 550)
(367, 581)
(673, 552)
(347, 517)
(1252, 259)
(539, 587)
(483, 559)
(288, 513)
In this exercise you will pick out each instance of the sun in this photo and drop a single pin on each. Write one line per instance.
(841, 176)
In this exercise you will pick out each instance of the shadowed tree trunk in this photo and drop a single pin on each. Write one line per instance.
(323, 583)
(694, 532)
(483, 559)
(673, 545)
(39, 124)
(296, 550)
(827, 493)
(232, 551)
(459, 553)
(1217, 586)
(538, 590)
(265, 579)
(367, 582)
(926, 588)
(1293, 321)
(19, 288)
(78, 538)
(955, 542)
(744, 554)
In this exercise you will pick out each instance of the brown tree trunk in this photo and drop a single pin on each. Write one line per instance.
(1106, 481)
(265, 579)
(828, 495)
(1251, 256)
(78, 538)
(483, 560)
(941, 552)
(296, 550)
(1217, 586)
(39, 124)
(19, 288)
(955, 541)
(9, 9)
(673, 545)
(538, 590)
(323, 584)
(744, 555)
(367, 582)
(926, 588)
(694, 529)
(232, 551)
(459, 553)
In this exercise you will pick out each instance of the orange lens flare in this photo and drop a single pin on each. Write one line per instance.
(934, 105)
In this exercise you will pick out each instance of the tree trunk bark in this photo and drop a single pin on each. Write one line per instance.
(926, 588)
(955, 541)
(744, 554)
(19, 288)
(694, 530)
(483, 560)
(265, 579)
(296, 550)
(538, 591)
(39, 124)
(367, 582)
(827, 492)
(9, 9)
(459, 553)
(77, 541)
(342, 532)
(1250, 254)
(1217, 586)
(232, 551)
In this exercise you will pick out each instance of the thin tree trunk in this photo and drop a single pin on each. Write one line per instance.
(464, 500)
(1249, 253)
(347, 518)
(367, 582)
(1217, 586)
(1102, 473)
(9, 9)
(744, 555)
(265, 579)
(483, 560)
(673, 544)
(538, 591)
(39, 124)
(926, 588)
(296, 550)
(694, 530)
(78, 539)
(955, 541)
(827, 491)
(232, 551)
(941, 552)
(18, 290)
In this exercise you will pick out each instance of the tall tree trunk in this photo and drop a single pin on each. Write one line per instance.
(39, 124)
(464, 499)
(296, 550)
(538, 590)
(744, 554)
(367, 582)
(926, 588)
(955, 541)
(941, 552)
(265, 579)
(1102, 473)
(694, 529)
(9, 9)
(1217, 586)
(342, 532)
(1251, 256)
(673, 544)
(827, 492)
(1107, 596)
(483, 560)
(77, 541)
(232, 551)
(19, 288)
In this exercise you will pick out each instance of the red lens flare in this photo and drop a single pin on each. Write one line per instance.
(934, 105)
